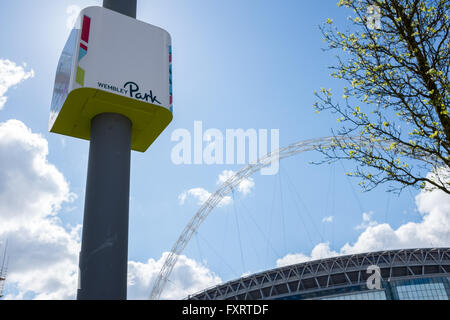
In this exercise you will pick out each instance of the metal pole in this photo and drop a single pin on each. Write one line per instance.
(126, 7)
(104, 248)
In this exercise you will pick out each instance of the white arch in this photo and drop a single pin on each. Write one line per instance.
(225, 189)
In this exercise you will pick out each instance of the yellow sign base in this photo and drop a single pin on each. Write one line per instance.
(83, 104)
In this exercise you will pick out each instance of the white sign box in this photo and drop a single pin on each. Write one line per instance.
(114, 63)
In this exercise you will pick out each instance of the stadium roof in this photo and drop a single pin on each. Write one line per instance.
(330, 274)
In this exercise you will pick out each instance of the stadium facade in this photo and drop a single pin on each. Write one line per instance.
(412, 274)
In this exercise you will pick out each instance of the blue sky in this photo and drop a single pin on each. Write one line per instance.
(237, 64)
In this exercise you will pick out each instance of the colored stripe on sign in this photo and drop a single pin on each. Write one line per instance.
(80, 76)
(86, 29)
(82, 53)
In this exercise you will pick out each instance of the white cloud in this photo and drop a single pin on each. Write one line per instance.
(182, 198)
(321, 251)
(246, 186)
(432, 231)
(187, 277)
(328, 219)
(292, 258)
(201, 194)
(11, 75)
(42, 253)
(366, 221)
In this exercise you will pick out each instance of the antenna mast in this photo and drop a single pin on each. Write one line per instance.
(3, 269)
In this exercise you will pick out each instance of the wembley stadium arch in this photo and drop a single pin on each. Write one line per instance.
(228, 186)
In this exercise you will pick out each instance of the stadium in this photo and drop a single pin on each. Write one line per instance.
(413, 274)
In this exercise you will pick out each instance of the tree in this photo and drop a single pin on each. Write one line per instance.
(394, 113)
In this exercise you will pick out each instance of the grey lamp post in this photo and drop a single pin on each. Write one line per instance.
(104, 248)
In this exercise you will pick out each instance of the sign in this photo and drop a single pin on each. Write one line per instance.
(114, 63)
